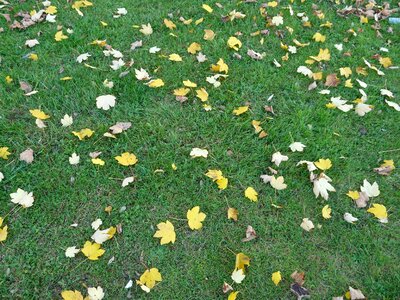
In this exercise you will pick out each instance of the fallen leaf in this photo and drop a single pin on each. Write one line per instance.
(165, 232)
(26, 156)
(195, 218)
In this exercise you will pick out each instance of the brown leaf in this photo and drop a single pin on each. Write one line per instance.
(120, 127)
(250, 234)
(27, 156)
(7, 17)
(26, 87)
(254, 55)
(299, 291)
(332, 80)
(385, 171)
(298, 277)
(226, 288)
(362, 201)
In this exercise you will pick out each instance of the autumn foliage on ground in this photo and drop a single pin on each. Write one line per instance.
(187, 149)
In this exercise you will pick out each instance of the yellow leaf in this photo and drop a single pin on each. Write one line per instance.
(51, 10)
(66, 78)
(317, 76)
(207, 8)
(4, 152)
(169, 24)
(348, 83)
(386, 163)
(276, 277)
(8, 79)
(86, 132)
(379, 211)
(240, 110)
(71, 295)
(251, 194)
(92, 250)
(174, 167)
(322, 55)
(202, 94)
(1, 221)
(3, 233)
(363, 20)
(188, 83)
(234, 43)
(327, 25)
(346, 72)
(155, 83)
(98, 161)
(175, 57)
(222, 183)
(214, 174)
(326, 212)
(149, 278)
(232, 295)
(208, 35)
(319, 37)
(242, 260)
(104, 24)
(272, 4)
(33, 56)
(126, 159)
(59, 36)
(233, 213)
(323, 164)
(195, 218)
(197, 22)
(166, 232)
(181, 92)
(386, 62)
(38, 114)
(353, 195)
(193, 48)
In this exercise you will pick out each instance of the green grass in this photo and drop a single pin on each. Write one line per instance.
(364, 255)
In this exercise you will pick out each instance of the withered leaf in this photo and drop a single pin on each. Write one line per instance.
(332, 80)
(250, 234)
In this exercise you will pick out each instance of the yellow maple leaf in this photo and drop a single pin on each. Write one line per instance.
(169, 24)
(208, 35)
(386, 62)
(346, 72)
(3, 233)
(166, 232)
(71, 295)
(126, 159)
(234, 43)
(233, 213)
(202, 94)
(242, 260)
(59, 36)
(379, 211)
(388, 163)
(319, 37)
(51, 10)
(214, 174)
(149, 278)
(276, 277)
(251, 194)
(327, 24)
(92, 250)
(323, 164)
(175, 57)
(317, 76)
(326, 212)
(193, 48)
(240, 110)
(38, 114)
(353, 195)
(98, 161)
(348, 83)
(220, 67)
(195, 218)
(207, 8)
(181, 92)
(33, 56)
(233, 295)
(9, 79)
(83, 133)
(222, 183)
(155, 83)
(323, 54)
(272, 4)
(189, 83)
(4, 152)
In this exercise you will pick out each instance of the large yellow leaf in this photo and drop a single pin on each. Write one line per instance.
(92, 250)
(71, 295)
(155, 83)
(59, 36)
(149, 278)
(240, 110)
(193, 48)
(166, 232)
(326, 212)
(126, 159)
(195, 218)
(379, 211)
(83, 133)
(38, 114)
(234, 43)
(242, 260)
(202, 94)
(251, 194)
(169, 24)
(323, 164)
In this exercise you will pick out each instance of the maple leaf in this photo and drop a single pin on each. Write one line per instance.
(297, 146)
(165, 232)
(372, 190)
(38, 114)
(322, 186)
(276, 277)
(234, 43)
(141, 74)
(100, 236)
(197, 152)
(307, 224)
(74, 159)
(353, 195)
(195, 218)
(149, 278)
(175, 57)
(4, 153)
(71, 251)
(242, 260)
(193, 48)
(233, 213)
(95, 293)
(3, 231)
(59, 36)
(277, 20)
(332, 80)
(238, 275)
(146, 29)
(251, 194)
(126, 159)
(169, 24)
(277, 158)
(326, 212)
(240, 110)
(105, 102)
(202, 94)
(222, 183)
(71, 295)
(348, 217)
(346, 72)
(22, 198)
(323, 55)
(214, 174)
(379, 211)
(26, 156)
(92, 250)
(67, 120)
(208, 35)
(250, 234)
(278, 183)
(386, 62)
(83, 133)
(323, 164)
(155, 83)
(181, 92)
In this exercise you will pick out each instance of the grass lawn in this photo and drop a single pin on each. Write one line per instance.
(334, 256)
